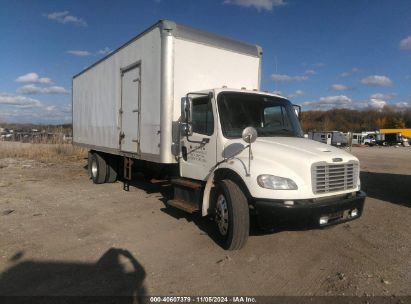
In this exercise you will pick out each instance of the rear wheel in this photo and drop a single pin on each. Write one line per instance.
(231, 215)
(98, 168)
(112, 169)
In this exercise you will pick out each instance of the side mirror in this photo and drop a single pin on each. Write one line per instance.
(186, 114)
(297, 110)
(249, 135)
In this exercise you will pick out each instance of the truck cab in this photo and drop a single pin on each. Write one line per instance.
(248, 150)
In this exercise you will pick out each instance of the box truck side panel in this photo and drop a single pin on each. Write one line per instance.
(97, 99)
(199, 66)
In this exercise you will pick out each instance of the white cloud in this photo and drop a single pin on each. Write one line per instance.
(330, 102)
(258, 4)
(287, 78)
(402, 105)
(33, 78)
(19, 101)
(55, 90)
(297, 93)
(41, 115)
(377, 80)
(19, 109)
(350, 72)
(277, 92)
(319, 64)
(383, 96)
(379, 104)
(405, 43)
(83, 53)
(310, 72)
(104, 51)
(79, 53)
(344, 102)
(339, 87)
(33, 89)
(314, 65)
(65, 18)
(376, 104)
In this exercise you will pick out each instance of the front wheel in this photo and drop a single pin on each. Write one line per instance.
(231, 215)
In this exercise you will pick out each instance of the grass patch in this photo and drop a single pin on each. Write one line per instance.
(48, 153)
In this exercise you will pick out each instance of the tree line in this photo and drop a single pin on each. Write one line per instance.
(346, 120)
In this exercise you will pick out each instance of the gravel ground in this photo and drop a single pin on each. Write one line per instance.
(62, 235)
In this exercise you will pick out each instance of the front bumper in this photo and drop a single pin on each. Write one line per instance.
(270, 213)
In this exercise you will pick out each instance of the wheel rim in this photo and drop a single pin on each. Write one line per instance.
(94, 168)
(221, 214)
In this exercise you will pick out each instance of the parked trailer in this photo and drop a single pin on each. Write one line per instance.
(174, 99)
(334, 138)
(364, 138)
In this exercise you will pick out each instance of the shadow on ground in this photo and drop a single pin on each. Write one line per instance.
(392, 188)
(116, 273)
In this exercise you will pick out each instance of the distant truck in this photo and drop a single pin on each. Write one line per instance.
(391, 139)
(334, 138)
(186, 105)
(405, 133)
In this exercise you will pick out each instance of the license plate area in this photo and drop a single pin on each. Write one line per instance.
(334, 217)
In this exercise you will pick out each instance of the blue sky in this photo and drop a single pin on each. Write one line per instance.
(321, 54)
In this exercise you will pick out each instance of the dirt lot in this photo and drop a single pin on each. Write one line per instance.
(61, 234)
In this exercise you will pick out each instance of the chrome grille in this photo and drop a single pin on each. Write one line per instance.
(328, 177)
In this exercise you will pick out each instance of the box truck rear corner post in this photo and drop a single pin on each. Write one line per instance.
(186, 105)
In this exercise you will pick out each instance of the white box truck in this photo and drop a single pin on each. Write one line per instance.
(187, 104)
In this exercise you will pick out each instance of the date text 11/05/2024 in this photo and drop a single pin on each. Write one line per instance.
(203, 299)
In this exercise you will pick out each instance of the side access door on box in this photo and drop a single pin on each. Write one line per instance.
(130, 108)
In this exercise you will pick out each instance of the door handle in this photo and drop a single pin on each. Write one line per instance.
(184, 152)
(120, 137)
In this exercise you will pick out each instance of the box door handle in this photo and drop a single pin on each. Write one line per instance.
(120, 137)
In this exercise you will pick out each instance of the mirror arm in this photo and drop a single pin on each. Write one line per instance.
(250, 157)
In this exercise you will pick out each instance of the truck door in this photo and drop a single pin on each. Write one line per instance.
(198, 151)
(130, 109)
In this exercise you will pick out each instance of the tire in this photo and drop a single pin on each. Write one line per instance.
(112, 169)
(231, 215)
(98, 168)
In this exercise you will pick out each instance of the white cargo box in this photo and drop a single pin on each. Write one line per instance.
(128, 103)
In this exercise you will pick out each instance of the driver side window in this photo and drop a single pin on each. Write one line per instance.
(203, 119)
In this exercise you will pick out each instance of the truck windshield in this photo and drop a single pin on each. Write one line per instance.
(271, 116)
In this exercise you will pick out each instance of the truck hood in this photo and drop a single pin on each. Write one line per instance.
(298, 149)
(288, 157)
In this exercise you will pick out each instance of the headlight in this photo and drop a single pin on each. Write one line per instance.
(276, 182)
